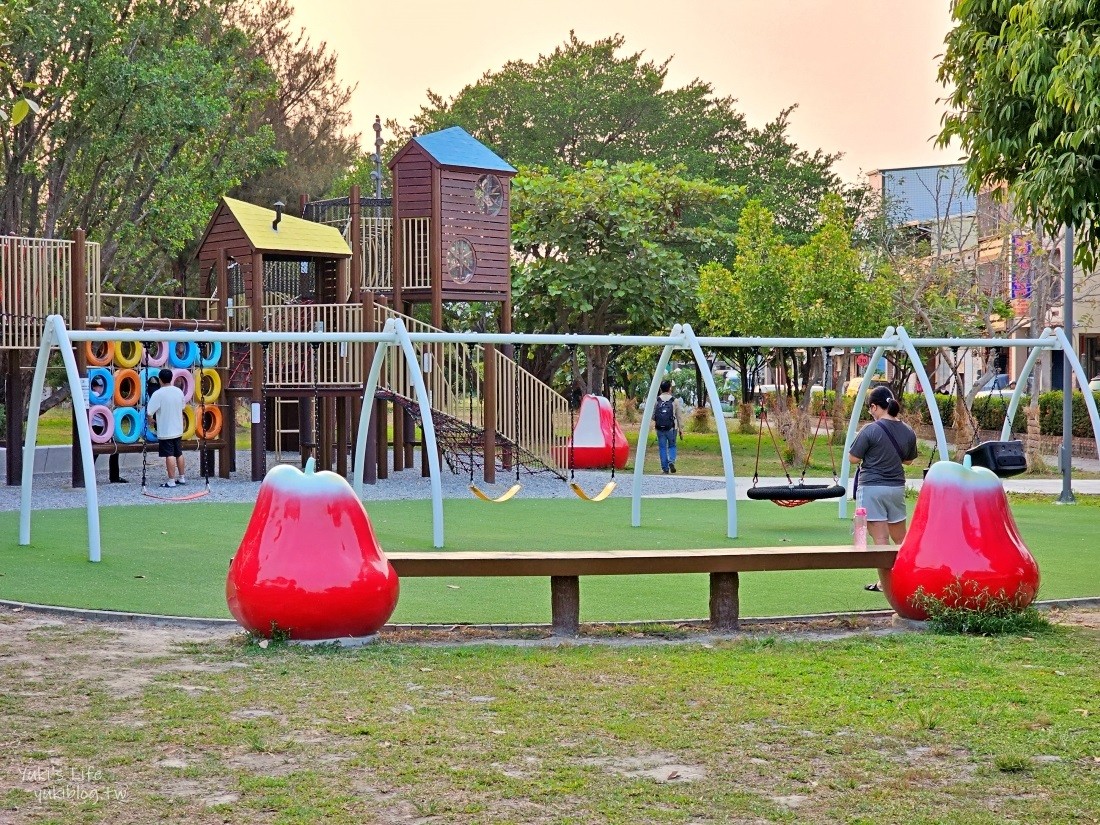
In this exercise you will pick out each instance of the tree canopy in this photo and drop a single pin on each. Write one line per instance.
(1023, 79)
(610, 248)
(591, 102)
(139, 129)
(148, 111)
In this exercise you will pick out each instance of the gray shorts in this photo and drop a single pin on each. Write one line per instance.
(882, 503)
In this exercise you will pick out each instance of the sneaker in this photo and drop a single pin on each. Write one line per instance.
(671, 467)
(169, 484)
(181, 480)
(665, 472)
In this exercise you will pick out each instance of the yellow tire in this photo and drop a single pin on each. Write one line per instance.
(128, 353)
(208, 386)
(189, 419)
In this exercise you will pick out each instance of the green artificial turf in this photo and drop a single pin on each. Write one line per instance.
(173, 559)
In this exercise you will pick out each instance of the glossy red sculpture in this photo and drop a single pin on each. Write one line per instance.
(596, 429)
(309, 564)
(963, 546)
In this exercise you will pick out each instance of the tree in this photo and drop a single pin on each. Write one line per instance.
(308, 115)
(821, 289)
(144, 123)
(609, 249)
(1023, 78)
(589, 102)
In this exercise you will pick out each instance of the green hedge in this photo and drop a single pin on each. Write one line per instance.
(989, 411)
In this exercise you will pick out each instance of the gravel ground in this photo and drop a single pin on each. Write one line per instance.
(54, 491)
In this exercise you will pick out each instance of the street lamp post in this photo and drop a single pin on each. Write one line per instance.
(1067, 372)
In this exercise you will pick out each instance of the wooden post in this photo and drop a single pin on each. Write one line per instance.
(370, 460)
(489, 415)
(328, 430)
(398, 438)
(341, 414)
(341, 296)
(435, 249)
(229, 428)
(307, 437)
(381, 437)
(397, 243)
(78, 285)
(256, 313)
(356, 245)
(565, 605)
(724, 604)
(410, 436)
(13, 427)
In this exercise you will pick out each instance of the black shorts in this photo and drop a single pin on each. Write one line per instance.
(170, 447)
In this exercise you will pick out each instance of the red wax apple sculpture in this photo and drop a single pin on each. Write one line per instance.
(309, 564)
(963, 546)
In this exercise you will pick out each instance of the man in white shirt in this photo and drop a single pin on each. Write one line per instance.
(167, 405)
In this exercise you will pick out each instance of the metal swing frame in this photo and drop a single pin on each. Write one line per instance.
(680, 337)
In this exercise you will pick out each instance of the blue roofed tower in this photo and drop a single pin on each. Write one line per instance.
(452, 224)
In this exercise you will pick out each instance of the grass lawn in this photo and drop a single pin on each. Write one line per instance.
(176, 564)
(909, 728)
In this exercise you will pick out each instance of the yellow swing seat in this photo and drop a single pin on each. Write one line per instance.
(579, 492)
(507, 494)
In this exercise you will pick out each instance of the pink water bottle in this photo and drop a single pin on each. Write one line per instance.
(859, 529)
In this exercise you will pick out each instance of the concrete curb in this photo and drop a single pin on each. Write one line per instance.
(201, 623)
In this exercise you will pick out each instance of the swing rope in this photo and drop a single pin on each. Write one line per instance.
(516, 487)
(574, 485)
(794, 494)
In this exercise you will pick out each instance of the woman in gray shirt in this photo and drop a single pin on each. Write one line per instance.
(881, 449)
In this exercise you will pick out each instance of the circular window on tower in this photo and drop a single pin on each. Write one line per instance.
(489, 195)
(461, 261)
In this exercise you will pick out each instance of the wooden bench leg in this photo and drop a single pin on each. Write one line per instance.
(565, 605)
(724, 604)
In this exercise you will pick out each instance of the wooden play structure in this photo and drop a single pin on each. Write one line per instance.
(348, 266)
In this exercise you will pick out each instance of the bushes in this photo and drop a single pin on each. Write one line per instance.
(988, 411)
(969, 608)
(1050, 414)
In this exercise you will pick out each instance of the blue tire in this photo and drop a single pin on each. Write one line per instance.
(213, 353)
(100, 376)
(186, 359)
(129, 424)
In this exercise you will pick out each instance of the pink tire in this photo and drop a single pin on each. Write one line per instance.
(101, 422)
(161, 357)
(185, 381)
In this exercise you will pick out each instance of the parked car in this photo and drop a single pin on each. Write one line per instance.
(1094, 384)
(997, 386)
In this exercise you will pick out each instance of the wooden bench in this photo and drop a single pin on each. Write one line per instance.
(566, 567)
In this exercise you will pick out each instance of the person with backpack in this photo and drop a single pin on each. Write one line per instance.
(668, 421)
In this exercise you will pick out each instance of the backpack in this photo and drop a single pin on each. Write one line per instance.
(664, 414)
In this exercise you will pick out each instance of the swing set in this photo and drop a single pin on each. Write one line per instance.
(681, 337)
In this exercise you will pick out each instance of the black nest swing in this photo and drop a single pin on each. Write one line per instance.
(1004, 458)
(792, 494)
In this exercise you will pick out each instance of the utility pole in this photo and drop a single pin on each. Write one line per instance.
(1067, 372)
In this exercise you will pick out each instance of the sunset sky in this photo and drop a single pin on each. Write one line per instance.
(863, 72)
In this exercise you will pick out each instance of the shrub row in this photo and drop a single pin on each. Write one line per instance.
(988, 411)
